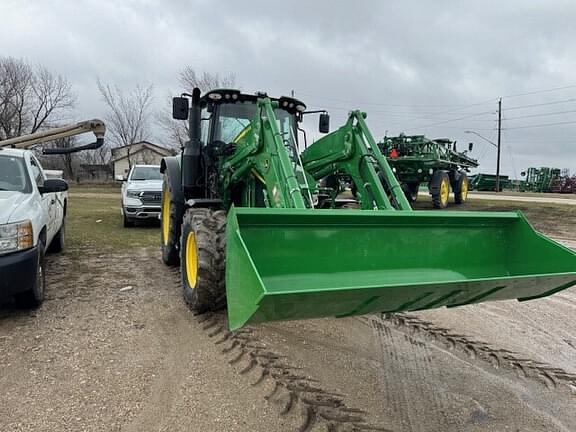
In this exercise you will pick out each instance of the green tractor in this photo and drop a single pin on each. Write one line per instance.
(260, 227)
(418, 160)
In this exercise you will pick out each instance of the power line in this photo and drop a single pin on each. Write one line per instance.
(541, 125)
(457, 119)
(395, 105)
(541, 104)
(541, 114)
(540, 91)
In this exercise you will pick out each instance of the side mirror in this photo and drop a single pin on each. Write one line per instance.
(324, 123)
(180, 108)
(523, 173)
(470, 146)
(120, 178)
(53, 185)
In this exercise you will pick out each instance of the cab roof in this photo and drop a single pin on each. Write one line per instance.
(8, 151)
(218, 96)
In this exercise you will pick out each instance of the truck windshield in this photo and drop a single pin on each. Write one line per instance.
(13, 175)
(146, 173)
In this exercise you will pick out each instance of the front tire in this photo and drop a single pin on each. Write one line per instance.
(170, 221)
(127, 223)
(202, 259)
(440, 189)
(34, 297)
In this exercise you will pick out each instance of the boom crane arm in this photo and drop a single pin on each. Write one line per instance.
(27, 141)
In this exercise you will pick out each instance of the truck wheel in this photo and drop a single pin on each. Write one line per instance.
(128, 223)
(35, 295)
(440, 189)
(170, 221)
(411, 191)
(461, 190)
(58, 243)
(202, 259)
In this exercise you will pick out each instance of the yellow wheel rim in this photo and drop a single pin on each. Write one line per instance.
(191, 260)
(444, 191)
(165, 216)
(464, 189)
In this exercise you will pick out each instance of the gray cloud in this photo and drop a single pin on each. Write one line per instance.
(413, 66)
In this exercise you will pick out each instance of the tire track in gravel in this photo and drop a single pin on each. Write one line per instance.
(424, 368)
(410, 381)
(291, 389)
(500, 359)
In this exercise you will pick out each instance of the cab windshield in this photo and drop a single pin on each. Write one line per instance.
(13, 176)
(234, 121)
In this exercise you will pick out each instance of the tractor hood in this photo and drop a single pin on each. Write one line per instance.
(13, 206)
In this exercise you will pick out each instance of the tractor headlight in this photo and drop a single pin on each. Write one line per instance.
(16, 236)
(133, 194)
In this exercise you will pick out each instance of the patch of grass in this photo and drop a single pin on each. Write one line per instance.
(112, 188)
(96, 222)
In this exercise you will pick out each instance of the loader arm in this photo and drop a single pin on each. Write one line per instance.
(27, 141)
(351, 150)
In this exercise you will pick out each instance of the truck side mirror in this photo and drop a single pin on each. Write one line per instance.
(53, 185)
(324, 123)
(180, 108)
(470, 146)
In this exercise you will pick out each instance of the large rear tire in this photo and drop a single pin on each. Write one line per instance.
(170, 222)
(202, 259)
(440, 189)
(461, 189)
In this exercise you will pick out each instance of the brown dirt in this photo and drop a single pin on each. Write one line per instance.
(96, 358)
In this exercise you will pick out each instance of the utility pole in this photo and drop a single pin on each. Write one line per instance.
(499, 133)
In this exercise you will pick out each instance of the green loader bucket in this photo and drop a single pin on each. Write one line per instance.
(284, 264)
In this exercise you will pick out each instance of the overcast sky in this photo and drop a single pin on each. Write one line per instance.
(419, 67)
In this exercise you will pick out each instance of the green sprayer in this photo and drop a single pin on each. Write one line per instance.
(264, 229)
(418, 160)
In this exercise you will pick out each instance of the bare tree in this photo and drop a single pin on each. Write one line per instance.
(188, 79)
(128, 115)
(31, 97)
(176, 130)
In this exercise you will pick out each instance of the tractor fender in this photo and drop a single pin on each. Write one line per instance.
(171, 166)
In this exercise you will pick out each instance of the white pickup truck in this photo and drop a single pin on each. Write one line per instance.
(141, 194)
(32, 214)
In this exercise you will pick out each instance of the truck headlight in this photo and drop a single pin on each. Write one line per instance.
(133, 194)
(16, 236)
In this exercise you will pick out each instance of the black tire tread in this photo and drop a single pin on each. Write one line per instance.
(458, 189)
(435, 184)
(171, 251)
(31, 298)
(209, 227)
